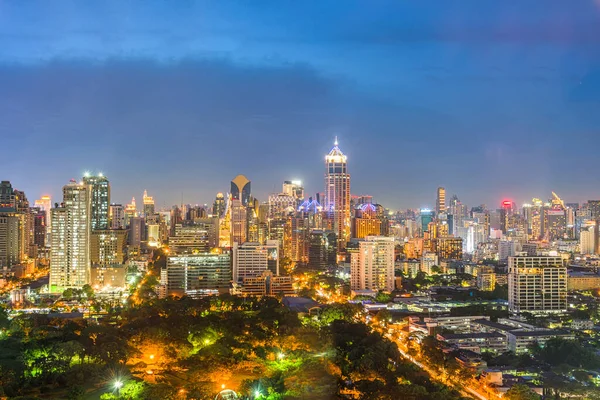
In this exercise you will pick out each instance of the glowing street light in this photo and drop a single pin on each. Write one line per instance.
(281, 356)
(257, 394)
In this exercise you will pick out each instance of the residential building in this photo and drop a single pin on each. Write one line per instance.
(372, 266)
(486, 278)
(252, 259)
(99, 200)
(537, 284)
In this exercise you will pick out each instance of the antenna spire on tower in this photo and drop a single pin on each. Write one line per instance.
(336, 141)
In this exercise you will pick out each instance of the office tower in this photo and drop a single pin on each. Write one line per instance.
(7, 196)
(45, 204)
(117, 216)
(426, 217)
(219, 206)
(10, 253)
(239, 221)
(337, 194)
(241, 189)
(189, 239)
(486, 278)
(594, 209)
(555, 223)
(252, 259)
(198, 275)
(100, 199)
(322, 249)
(505, 212)
(70, 250)
(440, 203)
(587, 239)
(281, 205)
(366, 221)
(130, 212)
(537, 285)
(107, 247)
(39, 227)
(372, 266)
(448, 247)
(294, 189)
(252, 223)
(137, 231)
(148, 204)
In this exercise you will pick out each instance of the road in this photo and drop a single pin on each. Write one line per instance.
(465, 390)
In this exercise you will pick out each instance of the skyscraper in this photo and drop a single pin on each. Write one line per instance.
(70, 250)
(45, 204)
(239, 222)
(219, 206)
(99, 200)
(148, 204)
(252, 259)
(117, 216)
(337, 193)
(372, 266)
(241, 189)
(440, 203)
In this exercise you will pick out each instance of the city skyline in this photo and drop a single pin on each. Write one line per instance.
(481, 95)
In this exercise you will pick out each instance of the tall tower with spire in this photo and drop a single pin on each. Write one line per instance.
(337, 193)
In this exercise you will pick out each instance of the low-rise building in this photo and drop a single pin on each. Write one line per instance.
(493, 342)
(266, 284)
(520, 340)
(583, 281)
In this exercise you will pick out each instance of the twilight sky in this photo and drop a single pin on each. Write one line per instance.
(490, 99)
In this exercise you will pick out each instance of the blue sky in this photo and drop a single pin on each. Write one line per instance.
(490, 99)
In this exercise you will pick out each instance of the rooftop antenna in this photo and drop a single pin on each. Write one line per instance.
(336, 141)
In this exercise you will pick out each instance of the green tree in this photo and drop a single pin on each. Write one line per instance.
(521, 392)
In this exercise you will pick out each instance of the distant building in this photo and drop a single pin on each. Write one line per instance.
(148, 204)
(583, 281)
(241, 189)
(107, 247)
(10, 253)
(337, 194)
(587, 239)
(117, 216)
(448, 247)
(537, 284)
(219, 205)
(486, 278)
(189, 239)
(239, 221)
(372, 266)
(137, 231)
(440, 204)
(322, 250)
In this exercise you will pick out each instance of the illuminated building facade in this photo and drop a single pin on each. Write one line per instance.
(10, 253)
(281, 205)
(148, 204)
(366, 222)
(45, 204)
(189, 239)
(241, 189)
(219, 205)
(252, 259)
(440, 203)
(294, 189)
(372, 266)
(70, 250)
(587, 238)
(426, 217)
(448, 247)
(266, 284)
(99, 200)
(239, 222)
(130, 211)
(337, 194)
(107, 247)
(198, 273)
(486, 278)
(537, 285)
(117, 216)
(322, 249)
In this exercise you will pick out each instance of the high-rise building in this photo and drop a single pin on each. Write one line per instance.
(219, 206)
(440, 203)
(107, 247)
(148, 204)
(426, 217)
(99, 199)
(117, 216)
(137, 231)
(448, 247)
(281, 205)
(294, 189)
(39, 227)
(189, 239)
(587, 238)
(70, 250)
(252, 259)
(366, 222)
(130, 211)
(239, 221)
(537, 285)
(198, 274)
(322, 249)
(486, 278)
(7, 196)
(337, 194)
(45, 204)
(10, 253)
(372, 266)
(241, 189)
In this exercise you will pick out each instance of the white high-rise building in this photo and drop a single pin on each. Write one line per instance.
(70, 250)
(117, 216)
(337, 193)
(252, 259)
(372, 266)
(587, 239)
(506, 249)
(537, 284)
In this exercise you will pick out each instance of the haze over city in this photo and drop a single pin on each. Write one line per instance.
(488, 99)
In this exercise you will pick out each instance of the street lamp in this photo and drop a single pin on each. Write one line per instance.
(257, 394)
(118, 385)
(280, 356)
